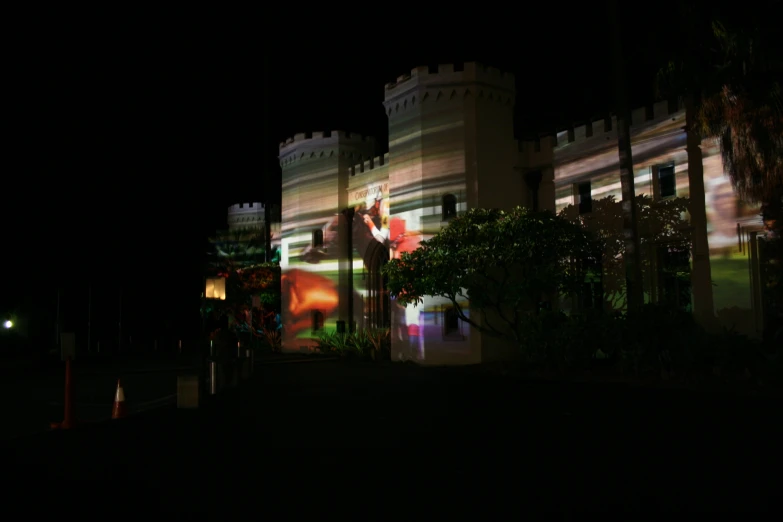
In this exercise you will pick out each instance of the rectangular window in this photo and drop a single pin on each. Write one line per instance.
(318, 238)
(674, 282)
(448, 207)
(584, 197)
(667, 183)
(451, 330)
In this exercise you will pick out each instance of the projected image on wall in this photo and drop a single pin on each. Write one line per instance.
(315, 289)
(734, 229)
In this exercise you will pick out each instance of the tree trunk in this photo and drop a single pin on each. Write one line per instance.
(633, 268)
(701, 273)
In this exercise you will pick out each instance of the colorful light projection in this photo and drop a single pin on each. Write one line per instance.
(314, 289)
(428, 163)
(661, 172)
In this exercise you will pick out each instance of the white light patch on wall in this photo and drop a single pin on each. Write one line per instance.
(284, 253)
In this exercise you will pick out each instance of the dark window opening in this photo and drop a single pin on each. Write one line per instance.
(667, 183)
(584, 192)
(533, 181)
(450, 321)
(674, 279)
(449, 207)
(318, 238)
(318, 320)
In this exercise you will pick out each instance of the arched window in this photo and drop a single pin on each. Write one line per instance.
(449, 207)
(318, 238)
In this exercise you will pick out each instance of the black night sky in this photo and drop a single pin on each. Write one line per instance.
(128, 139)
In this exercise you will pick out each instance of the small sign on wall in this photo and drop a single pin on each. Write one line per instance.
(68, 345)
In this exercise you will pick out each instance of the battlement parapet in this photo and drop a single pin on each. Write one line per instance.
(606, 129)
(246, 208)
(471, 72)
(537, 152)
(245, 215)
(370, 164)
(323, 139)
(541, 145)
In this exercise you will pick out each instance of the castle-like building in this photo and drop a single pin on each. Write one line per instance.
(346, 211)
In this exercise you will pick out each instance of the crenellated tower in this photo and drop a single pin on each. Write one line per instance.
(246, 216)
(451, 131)
(315, 169)
(451, 148)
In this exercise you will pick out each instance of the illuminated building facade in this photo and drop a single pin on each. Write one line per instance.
(672, 163)
(346, 211)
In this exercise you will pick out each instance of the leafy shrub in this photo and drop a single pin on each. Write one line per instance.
(273, 340)
(373, 343)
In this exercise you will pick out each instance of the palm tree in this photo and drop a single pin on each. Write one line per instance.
(633, 268)
(746, 113)
(729, 75)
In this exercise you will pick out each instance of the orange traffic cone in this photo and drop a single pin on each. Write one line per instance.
(118, 411)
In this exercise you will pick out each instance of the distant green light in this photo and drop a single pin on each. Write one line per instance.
(8, 324)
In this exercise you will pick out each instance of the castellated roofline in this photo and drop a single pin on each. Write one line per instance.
(606, 128)
(242, 208)
(323, 138)
(472, 72)
(540, 147)
(370, 164)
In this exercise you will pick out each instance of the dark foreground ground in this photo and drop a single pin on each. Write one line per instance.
(399, 442)
(32, 395)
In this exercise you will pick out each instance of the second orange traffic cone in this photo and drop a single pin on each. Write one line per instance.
(118, 411)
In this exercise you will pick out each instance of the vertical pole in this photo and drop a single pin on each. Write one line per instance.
(212, 377)
(68, 413)
(119, 325)
(348, 216)
(268, 202)
(89, 318)
(204, 307)
(57, 322)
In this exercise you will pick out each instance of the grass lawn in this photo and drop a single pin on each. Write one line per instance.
(731, 280)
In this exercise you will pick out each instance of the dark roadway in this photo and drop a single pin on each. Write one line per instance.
(392, 441)
(32, 397)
